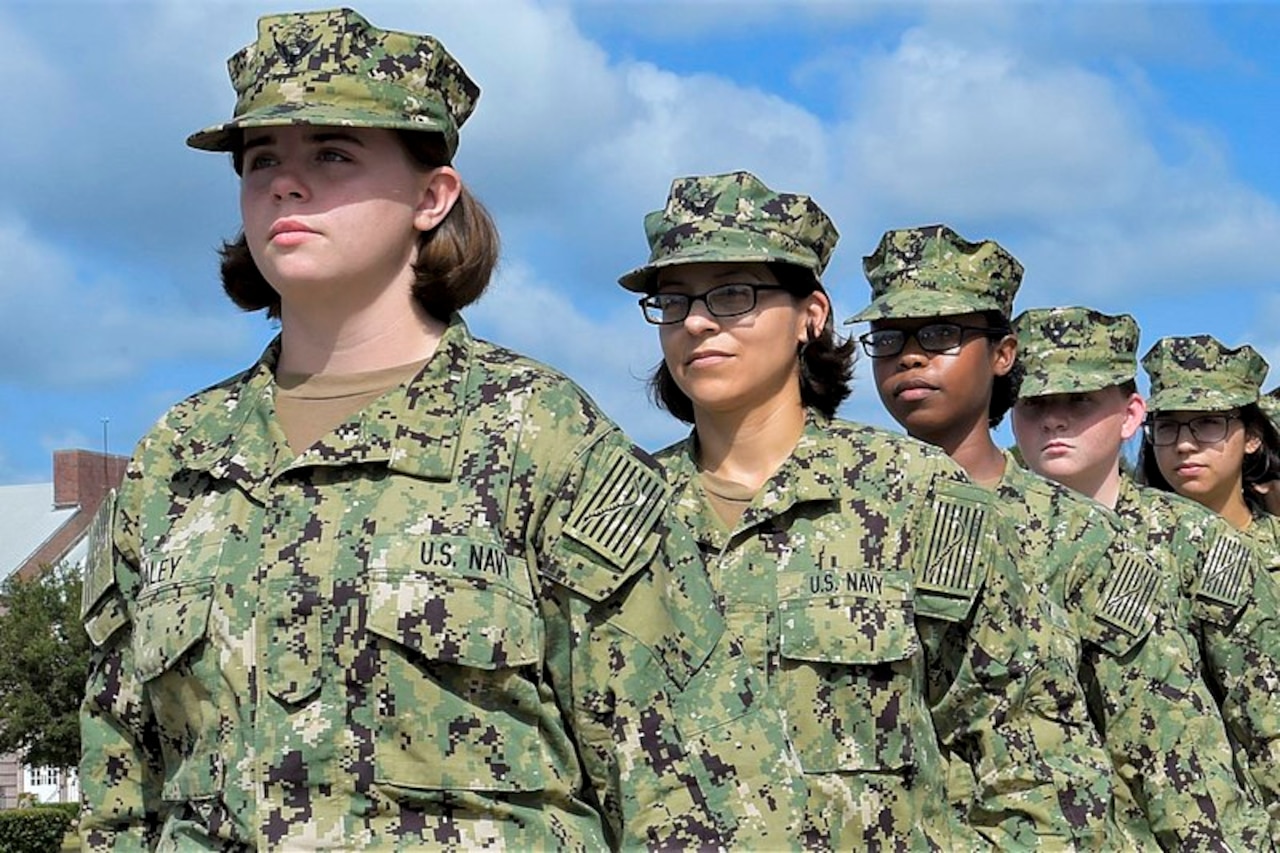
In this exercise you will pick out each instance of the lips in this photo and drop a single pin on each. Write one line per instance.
(288, 226)
(913, 389)
(706, 357)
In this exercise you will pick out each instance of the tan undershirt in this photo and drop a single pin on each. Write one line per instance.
(727, 498)
(310, 405)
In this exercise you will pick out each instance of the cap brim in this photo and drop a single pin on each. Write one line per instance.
(641, 279)
(914, 304)
(1084, 382)
(1198, 400)
(224, 137)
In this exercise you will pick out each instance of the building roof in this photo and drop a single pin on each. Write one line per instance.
(27, 519)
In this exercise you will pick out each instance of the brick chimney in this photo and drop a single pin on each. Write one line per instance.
(81, 479)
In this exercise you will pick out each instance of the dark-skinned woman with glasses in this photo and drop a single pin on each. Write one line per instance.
(944, 364)
(1208, 437)
(875, 624)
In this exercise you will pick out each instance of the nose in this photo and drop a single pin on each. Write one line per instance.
(1053, 417)
(912, 355)
(287, 184)
(699, 319)
(1186, 441)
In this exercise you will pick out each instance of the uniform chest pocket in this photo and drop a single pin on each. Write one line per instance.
(849, 680)
(456, 687)
(171, 622)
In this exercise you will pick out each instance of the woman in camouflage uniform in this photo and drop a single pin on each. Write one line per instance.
(874, 625)
(1078, 403)
(392, 587)
(944, 360)
(1208, 438)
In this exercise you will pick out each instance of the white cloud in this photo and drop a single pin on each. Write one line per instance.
(609, 356)
(987, 133)
(1070, 168)
(66, 328)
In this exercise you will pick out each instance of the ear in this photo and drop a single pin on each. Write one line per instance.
(1135, 412)
(1252, 442)
(817, 308)
(1003, 355)
(440, 191)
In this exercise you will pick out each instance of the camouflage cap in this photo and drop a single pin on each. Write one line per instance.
(333, 67)
(932, 271)
(1074, 350)
(1199, 374)
(1270, 404)
(736, 218)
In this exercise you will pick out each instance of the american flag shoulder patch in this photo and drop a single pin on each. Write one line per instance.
(99, 564)
(952, 558)
(618, 508)
(1226, 568)
(1127, 601)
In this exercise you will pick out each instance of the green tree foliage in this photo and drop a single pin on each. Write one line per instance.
(44, 660)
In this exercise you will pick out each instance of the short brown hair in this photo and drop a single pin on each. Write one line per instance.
(455, 260)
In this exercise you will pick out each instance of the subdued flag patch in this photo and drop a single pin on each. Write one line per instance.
(623, 506)
(1127, 601)
(1223, 575)
(99, 570)
(953, 547)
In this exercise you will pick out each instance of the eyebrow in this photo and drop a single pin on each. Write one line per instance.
(317, 137)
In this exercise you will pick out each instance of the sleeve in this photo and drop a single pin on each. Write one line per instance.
(120, 765)
(636, 617)
(1013, 795)
(1167, 742)
(1238, 609)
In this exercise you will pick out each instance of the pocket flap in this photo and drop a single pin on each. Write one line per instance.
(848, 629)
(460, 620)
(171, 618)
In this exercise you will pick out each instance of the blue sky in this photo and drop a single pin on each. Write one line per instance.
(1125, 152)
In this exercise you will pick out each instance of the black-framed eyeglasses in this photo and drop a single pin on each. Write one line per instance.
(1206, 429)
(944, 338)
(727, 300)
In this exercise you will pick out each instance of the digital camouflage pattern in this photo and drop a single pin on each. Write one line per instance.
(1174, 784)
(1263, 535)
(1074, 350)
(455, 622)
(733, 217)
(875, 631)
(1199, 374)
(1270, 404)
(932, 271)
(332, 67)
(1231, 609)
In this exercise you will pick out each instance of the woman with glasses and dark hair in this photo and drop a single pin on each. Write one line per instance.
(941, 355)
(875, 628)
(1207, 436)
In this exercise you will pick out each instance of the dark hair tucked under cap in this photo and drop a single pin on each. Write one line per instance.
(333, 67)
